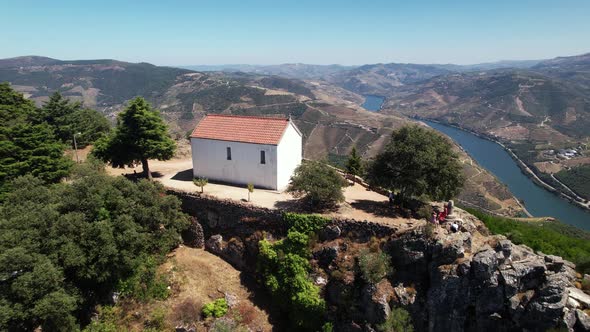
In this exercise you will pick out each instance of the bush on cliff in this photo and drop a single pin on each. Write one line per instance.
(399, 320)
(551, 238)
(374, 266)
(304, 223)
(284, 267)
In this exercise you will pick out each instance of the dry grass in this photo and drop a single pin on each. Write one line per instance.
(197, 277)
(204, 277)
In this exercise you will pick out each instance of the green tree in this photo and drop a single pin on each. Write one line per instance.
(140, 134)
(317, 182)
(27, 144)
(417, 161)
(200, 182)
(284, 267)
(66, 246)
(68, 118)
(354, 164)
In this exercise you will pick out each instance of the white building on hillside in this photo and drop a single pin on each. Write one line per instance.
(246, 149)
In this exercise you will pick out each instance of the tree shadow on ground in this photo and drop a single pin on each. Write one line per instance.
(139, 175)
(303, 205)
(186, 175)
(378, 209)
(262, 299)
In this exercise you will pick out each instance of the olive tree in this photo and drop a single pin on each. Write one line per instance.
(418, 161)
(317, 182)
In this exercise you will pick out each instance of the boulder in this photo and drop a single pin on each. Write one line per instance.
(406, 296)
(582, 321)
(522, 275)
(326, 255)
(234, 252)
(451, 247)
(215, 244)
(374, 302)
(484, 267)
(554, 263)
(578, 295)
(330, 232)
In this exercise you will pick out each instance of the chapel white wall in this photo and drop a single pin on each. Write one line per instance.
(210, 161)
(289, 155)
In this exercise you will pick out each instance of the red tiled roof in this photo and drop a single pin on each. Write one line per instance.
(246, 129)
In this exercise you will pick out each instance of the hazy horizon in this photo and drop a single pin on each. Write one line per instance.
(189, 33)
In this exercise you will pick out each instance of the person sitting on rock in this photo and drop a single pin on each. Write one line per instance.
(442, 216)
(454, 227)
(433, 218)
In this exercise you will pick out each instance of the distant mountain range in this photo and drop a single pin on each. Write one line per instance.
(324, 101)
(310, 71)
(289, 70)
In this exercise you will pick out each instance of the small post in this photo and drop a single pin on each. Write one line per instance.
(76, 148)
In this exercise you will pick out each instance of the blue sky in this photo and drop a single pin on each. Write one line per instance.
(168, 32)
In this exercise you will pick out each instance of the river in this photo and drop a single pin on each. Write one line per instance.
(538, 201)
(373, 103)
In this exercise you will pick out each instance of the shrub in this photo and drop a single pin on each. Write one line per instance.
(217, 308)
(304, 223)
(145, 284)
(428, 230)
(247, 313)
(80, 240)
(157, 320)
(188, 311)
(424, 212)
(328, 327)
(398, 321)
(374, 244)
(374, 266)
(227, 325)
(105, 321)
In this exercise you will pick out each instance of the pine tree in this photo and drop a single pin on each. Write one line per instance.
(141, 134)
(354, 164)
(68, 118)
(27, 144)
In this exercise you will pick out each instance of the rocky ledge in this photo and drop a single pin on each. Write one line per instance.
(463, 281)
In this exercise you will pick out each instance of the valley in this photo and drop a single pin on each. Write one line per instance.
(540, 110)
(330, 116)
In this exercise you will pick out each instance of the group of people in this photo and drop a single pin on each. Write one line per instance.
(439, 217)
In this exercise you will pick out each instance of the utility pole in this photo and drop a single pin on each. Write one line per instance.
(76, 148)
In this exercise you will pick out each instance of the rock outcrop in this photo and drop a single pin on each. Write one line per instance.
(498, 286)
(462, 281)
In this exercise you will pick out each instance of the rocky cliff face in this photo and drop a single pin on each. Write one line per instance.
(463, 281)
(499, 286)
